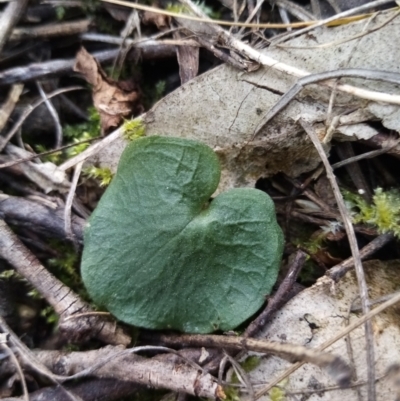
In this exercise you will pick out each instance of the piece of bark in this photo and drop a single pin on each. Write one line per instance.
(38, 217)
(188, 60)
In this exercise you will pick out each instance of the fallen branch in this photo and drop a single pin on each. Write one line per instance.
(64, 301)
(334, 364)
(121, 364)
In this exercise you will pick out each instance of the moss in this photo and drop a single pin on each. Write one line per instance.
(249, 364)
(133, 129)
(383, 212)
(278, 393)
(104, 175)
(177, 8)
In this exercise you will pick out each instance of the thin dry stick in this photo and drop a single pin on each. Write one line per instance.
(356, 255)
(3, 344)
(291, 352)
(8, 106)
(116, 40)
(394, 300)
(338, 271)
(64, 301)
(280, 297)
(215, 21)
(241, 375)
(51, 30)
(92, 150)
(328, 119)
(367, 155)
(30, 359)
(68, 204)
(9, 19)
(385, 76)
(336, 17)
(29, 109)
(53, 113)
(48, 152)
(253, 54)
(297, 11)
(340, 42)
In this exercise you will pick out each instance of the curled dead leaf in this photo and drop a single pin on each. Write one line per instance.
(113, 100)
(160, 21)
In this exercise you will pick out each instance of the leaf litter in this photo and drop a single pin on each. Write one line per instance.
(114, 100)
(223, 107)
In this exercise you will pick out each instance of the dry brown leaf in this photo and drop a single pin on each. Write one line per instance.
(160, 21)
(113, 100)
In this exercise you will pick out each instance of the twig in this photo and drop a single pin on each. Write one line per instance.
(336, 17)
(68, 204)
(297, 11)
(283, 350)
(51, 30)
(4, 140)
(53, 113)
(64, 301)
(345, 151)
(315, 78)
(367, 155)
(340, 42)
(215, 21)
(8, 106)
(338, 271)
(92, 150)
(29, 358)
(247, 51)
(148, 50)
(3, 344)
(9, 19)
(116, 40)
(122, 364)
(48, 152)
(356, 255)
(279, 297)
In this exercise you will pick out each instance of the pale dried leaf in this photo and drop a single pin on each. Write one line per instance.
(316, 315)
(223, 107)
(45, 175)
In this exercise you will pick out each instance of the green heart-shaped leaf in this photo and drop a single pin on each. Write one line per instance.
(159, 255)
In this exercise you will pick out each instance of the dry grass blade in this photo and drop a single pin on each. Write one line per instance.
(356, 255)
(324, 76)
(215, 21)
(28, 110)
(336, 18)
